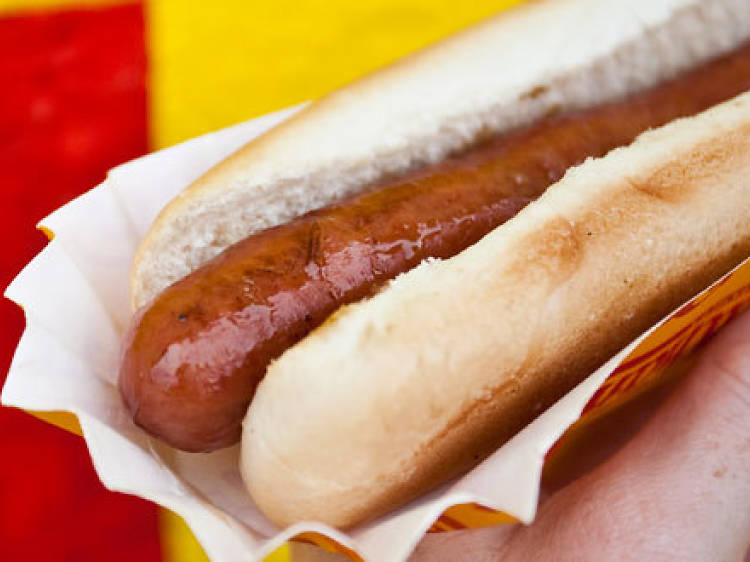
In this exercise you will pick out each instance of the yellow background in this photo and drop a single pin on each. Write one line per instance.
(217, 63)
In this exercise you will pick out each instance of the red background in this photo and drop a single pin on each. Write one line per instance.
(73, 104)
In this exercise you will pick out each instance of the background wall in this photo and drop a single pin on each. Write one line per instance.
(87, 85)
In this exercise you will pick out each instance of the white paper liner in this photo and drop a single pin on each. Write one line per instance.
(74, 294)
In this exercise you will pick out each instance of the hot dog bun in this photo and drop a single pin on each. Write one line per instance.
(508, 71)
(397, 393)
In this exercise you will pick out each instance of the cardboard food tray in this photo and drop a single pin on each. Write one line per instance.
(74, 294)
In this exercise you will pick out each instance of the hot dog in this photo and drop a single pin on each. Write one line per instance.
(194, 358)
(431, 177)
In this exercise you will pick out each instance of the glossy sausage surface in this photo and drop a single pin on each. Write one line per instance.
(193, 358)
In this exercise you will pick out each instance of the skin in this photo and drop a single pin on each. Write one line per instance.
(679, 489)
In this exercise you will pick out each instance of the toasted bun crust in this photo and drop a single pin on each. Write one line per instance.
(397, 393)
(503, 73)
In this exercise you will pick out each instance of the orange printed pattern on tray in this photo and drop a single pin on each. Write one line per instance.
(328, 544)
(469, 516)
(461, 516)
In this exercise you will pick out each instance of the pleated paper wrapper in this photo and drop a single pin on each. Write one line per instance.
(75, 297)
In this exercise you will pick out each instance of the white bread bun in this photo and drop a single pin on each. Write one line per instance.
(399, 392)
(505, 72)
